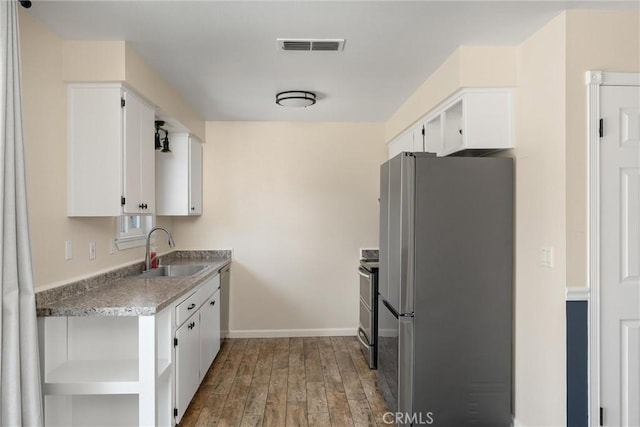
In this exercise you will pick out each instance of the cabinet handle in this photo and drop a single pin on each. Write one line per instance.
(191, 325)
(193, 208)
(143, 206)
(212, 302)
(191, 307)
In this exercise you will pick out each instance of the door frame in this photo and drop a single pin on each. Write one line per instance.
(595, 80)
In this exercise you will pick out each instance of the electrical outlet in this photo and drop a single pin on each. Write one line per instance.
(68, 250)
(112, 246)
(92, 250)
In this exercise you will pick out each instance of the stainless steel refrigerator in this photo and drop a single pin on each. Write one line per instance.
(445, 289)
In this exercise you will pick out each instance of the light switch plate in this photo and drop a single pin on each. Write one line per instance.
(546, 256)
(68, 250)
(92, 250)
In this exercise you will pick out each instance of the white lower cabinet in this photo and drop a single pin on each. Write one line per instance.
(107, 370)
(197, 342)
(209, 332)
(187, 363)
(129, 370)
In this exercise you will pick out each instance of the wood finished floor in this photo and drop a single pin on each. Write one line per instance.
(282, 382)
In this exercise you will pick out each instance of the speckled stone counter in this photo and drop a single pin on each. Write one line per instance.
(122, 293)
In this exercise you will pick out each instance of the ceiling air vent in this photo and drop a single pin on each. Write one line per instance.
(326, 45)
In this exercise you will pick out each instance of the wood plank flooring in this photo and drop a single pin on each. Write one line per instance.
(282, 382)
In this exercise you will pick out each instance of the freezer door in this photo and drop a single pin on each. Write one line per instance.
(405, 367)
(388, 354)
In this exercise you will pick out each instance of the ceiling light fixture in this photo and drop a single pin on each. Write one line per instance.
(296, 98)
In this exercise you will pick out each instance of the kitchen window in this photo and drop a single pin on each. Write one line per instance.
(131, 230)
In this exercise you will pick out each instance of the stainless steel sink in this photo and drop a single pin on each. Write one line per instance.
(173, 271)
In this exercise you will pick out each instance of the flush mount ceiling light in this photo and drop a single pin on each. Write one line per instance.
(296, 98)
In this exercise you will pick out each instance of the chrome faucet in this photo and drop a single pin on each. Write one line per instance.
(147, 257)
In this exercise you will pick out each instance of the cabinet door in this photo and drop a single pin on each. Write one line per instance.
(187, 363)
(403, 142)
(453, 129)
(138, 156)
(209, 332)
(418, 138)
(172, 177)
(94, 156)
(195, 177)
(433, 135)
(487, 120)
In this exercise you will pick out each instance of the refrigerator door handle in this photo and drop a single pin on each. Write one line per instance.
(390, 308)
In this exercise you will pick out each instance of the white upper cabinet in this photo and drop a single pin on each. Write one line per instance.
(478, 120)
(418, 137)
(410, 140)
(432, 135)
(179, 177)
(110, 151)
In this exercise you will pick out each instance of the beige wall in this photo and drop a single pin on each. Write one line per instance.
(45, 130)
(540, 221)
(596, 40)
(468, 66)
(551, 176)
(146, 81)
(93, 61)
(117, 61)
(295, 201)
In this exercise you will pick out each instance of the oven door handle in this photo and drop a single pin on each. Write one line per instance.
(361, 334)
(364, 273)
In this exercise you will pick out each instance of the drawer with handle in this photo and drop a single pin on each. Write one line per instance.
(186, 308)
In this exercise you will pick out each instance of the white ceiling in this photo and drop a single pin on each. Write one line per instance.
(223, 57)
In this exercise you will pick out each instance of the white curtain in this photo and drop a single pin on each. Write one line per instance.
(20, 388)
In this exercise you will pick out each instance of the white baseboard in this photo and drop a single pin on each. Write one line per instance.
(281, 333)
(578, 294)
(516, 423)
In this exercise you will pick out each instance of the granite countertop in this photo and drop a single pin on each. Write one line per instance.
(123, 293)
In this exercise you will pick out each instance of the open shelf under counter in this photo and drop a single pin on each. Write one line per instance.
(98, 377)
(91, 362)
(93, 377)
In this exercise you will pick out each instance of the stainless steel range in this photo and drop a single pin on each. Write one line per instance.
(368, 328)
